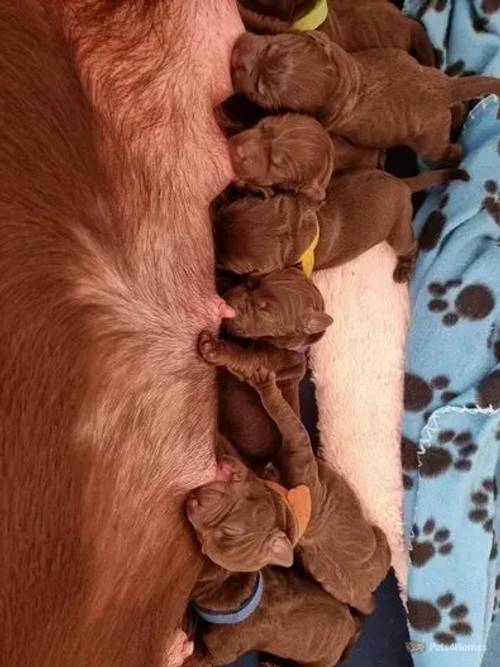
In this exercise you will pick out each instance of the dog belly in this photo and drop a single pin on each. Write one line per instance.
(108, 415)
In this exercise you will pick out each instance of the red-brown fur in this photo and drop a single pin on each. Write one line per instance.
(107, 278)
(355, 25)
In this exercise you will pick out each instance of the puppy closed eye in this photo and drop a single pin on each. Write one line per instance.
(229, 532)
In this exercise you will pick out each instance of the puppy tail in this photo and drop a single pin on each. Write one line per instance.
(421, 44)
(259, 23)
(429, 179)
(469, 87)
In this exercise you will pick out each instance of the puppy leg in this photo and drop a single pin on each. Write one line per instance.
(242, 362)
(239, 361)
(296, 459)
(405, 246)
(435, 144)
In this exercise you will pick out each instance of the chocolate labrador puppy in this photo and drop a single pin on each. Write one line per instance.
(283, 308)
(356, 25)
(362, 208)
(242, 419)
(295, 618)
(245, 523)
(381, 97)
(294, 152)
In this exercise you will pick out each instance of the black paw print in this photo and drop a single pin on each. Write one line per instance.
(490, 6)
(428, 542)
(488, 391)
(496, 601)
(437, 459)
(494, 343)
(465, 447)
(458, 68)
(473, 302)
(491, 203)
(438, 5)
(433, 226)
(418, 393)
(482, 504)
(446, 618)
(494, 547)
(409, 460)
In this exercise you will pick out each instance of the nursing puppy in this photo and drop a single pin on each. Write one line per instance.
(283, 308)
(245, 523)
(381, 97)
(294, 152)
(356, 25)
(295, 619)
(242, 420)
(362, 208)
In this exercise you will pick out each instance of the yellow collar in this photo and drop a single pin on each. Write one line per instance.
(307, 259)
(298, 500)
(313, 19)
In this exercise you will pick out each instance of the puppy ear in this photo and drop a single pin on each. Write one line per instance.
(279, 550)
(314, 191)
(316, 322)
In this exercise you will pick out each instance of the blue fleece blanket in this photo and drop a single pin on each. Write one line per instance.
(451, 428)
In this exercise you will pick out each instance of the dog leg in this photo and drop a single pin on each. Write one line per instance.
(435, 144)
(403, 242)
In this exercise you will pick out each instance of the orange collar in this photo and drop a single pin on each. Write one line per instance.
(298, 501)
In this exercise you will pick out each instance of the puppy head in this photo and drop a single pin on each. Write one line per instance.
(283, 308)
(290, 152)
(240, 523)
(257, 236)
(291, 71)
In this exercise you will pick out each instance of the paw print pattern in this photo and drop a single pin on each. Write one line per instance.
(437, 5)
(433, 227)
(418, 394)
(482, 505)
(490, 6)
(491, 203)
(488, 391)
(494, 343)
(428, 542)
(458, 68)
(465, 448)
(496, 601)
(453, 450)
(409, 461)
(473, 302)
(447, 619)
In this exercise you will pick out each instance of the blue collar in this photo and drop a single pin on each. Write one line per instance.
(239, 615)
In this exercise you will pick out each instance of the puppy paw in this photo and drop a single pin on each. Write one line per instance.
(262, 378)
(208, 346)
(403, 271)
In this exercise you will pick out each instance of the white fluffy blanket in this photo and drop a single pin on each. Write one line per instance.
(358, 372)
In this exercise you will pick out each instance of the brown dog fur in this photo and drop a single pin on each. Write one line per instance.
(381, 97)
(107, 414)
(295, 620)
(243, 525)
(356, 25)
(294, 152)
(283, 308)
(242, 419)
(362, 208)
